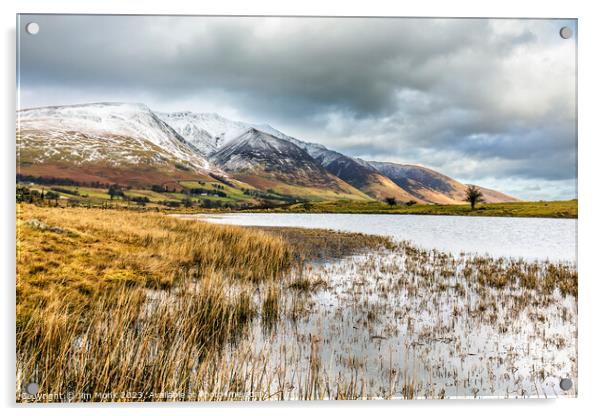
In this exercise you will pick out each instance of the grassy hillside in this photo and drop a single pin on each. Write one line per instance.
(215, 195)
(211, 193)
(331, 189)
(550, 209)
(381, 187)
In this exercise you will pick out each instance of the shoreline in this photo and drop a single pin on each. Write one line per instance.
(232, 297)
(417, 232)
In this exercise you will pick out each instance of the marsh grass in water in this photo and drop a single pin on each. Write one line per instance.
(320, 245)
(114, 301)
(411, 323)
(106, 302)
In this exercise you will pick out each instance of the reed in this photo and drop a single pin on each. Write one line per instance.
(133, 302)
(124, 306)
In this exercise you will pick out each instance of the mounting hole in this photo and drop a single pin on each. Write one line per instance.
(32, 28)
(566, 384)
(566, 32)
(32, 388)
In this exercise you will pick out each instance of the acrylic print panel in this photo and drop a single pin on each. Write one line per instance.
(217, 208)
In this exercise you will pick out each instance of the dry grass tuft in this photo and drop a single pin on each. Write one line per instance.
(117, 301)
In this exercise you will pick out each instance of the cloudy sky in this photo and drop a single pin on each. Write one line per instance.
(490, 102)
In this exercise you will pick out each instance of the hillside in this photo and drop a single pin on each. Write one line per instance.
(431, 186)
(210, 132)
(364, 178)
(268, 162)
(131, 145)
(104, 142)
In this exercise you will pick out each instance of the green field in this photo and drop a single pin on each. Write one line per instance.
(549, 209)
(212, 196)
(192, 194)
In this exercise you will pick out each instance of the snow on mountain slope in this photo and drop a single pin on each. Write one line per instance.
(104, 131)
(195, 135)
(257, 148)
(208, 132)
(269, 162)
(125, 140)
(211, 133)
(355, 172)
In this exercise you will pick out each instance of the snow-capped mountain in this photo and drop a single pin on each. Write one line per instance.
(117, 135)
(208, 132)
(195, 135)
(212, 132)
(255, 147)
(129, 143)
(107, 122)
(265, 160)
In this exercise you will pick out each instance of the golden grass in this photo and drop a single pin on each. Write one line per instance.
(99, 248)
(119, 301)
(123, 306)
(317, 244)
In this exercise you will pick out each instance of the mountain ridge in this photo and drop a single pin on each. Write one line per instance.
(129, 140)
(268, 162)
(433, 186)
(104, 141)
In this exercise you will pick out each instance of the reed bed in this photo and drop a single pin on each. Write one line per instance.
(317, 245)
(122, 302)
(121, 306)
(407, 323)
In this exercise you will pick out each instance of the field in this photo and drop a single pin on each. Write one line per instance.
(221, 195)
(114, 305)
(209, 194)
(550, 209)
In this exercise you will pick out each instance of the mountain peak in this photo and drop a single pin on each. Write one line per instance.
(208, 132)
(131, 124)
(258, 148)
(269, 162)
(257, 139)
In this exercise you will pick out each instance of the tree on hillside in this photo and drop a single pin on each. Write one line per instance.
(52, 196)
(473, 195)
(391, 201)
(115, 190)
(23, 194)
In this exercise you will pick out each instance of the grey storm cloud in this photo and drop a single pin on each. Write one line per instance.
(475, 98)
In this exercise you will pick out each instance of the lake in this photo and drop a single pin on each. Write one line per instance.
(529, 238)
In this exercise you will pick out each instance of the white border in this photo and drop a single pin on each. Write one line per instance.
(590, 189)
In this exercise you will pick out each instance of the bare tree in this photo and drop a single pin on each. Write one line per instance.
(473, 195)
